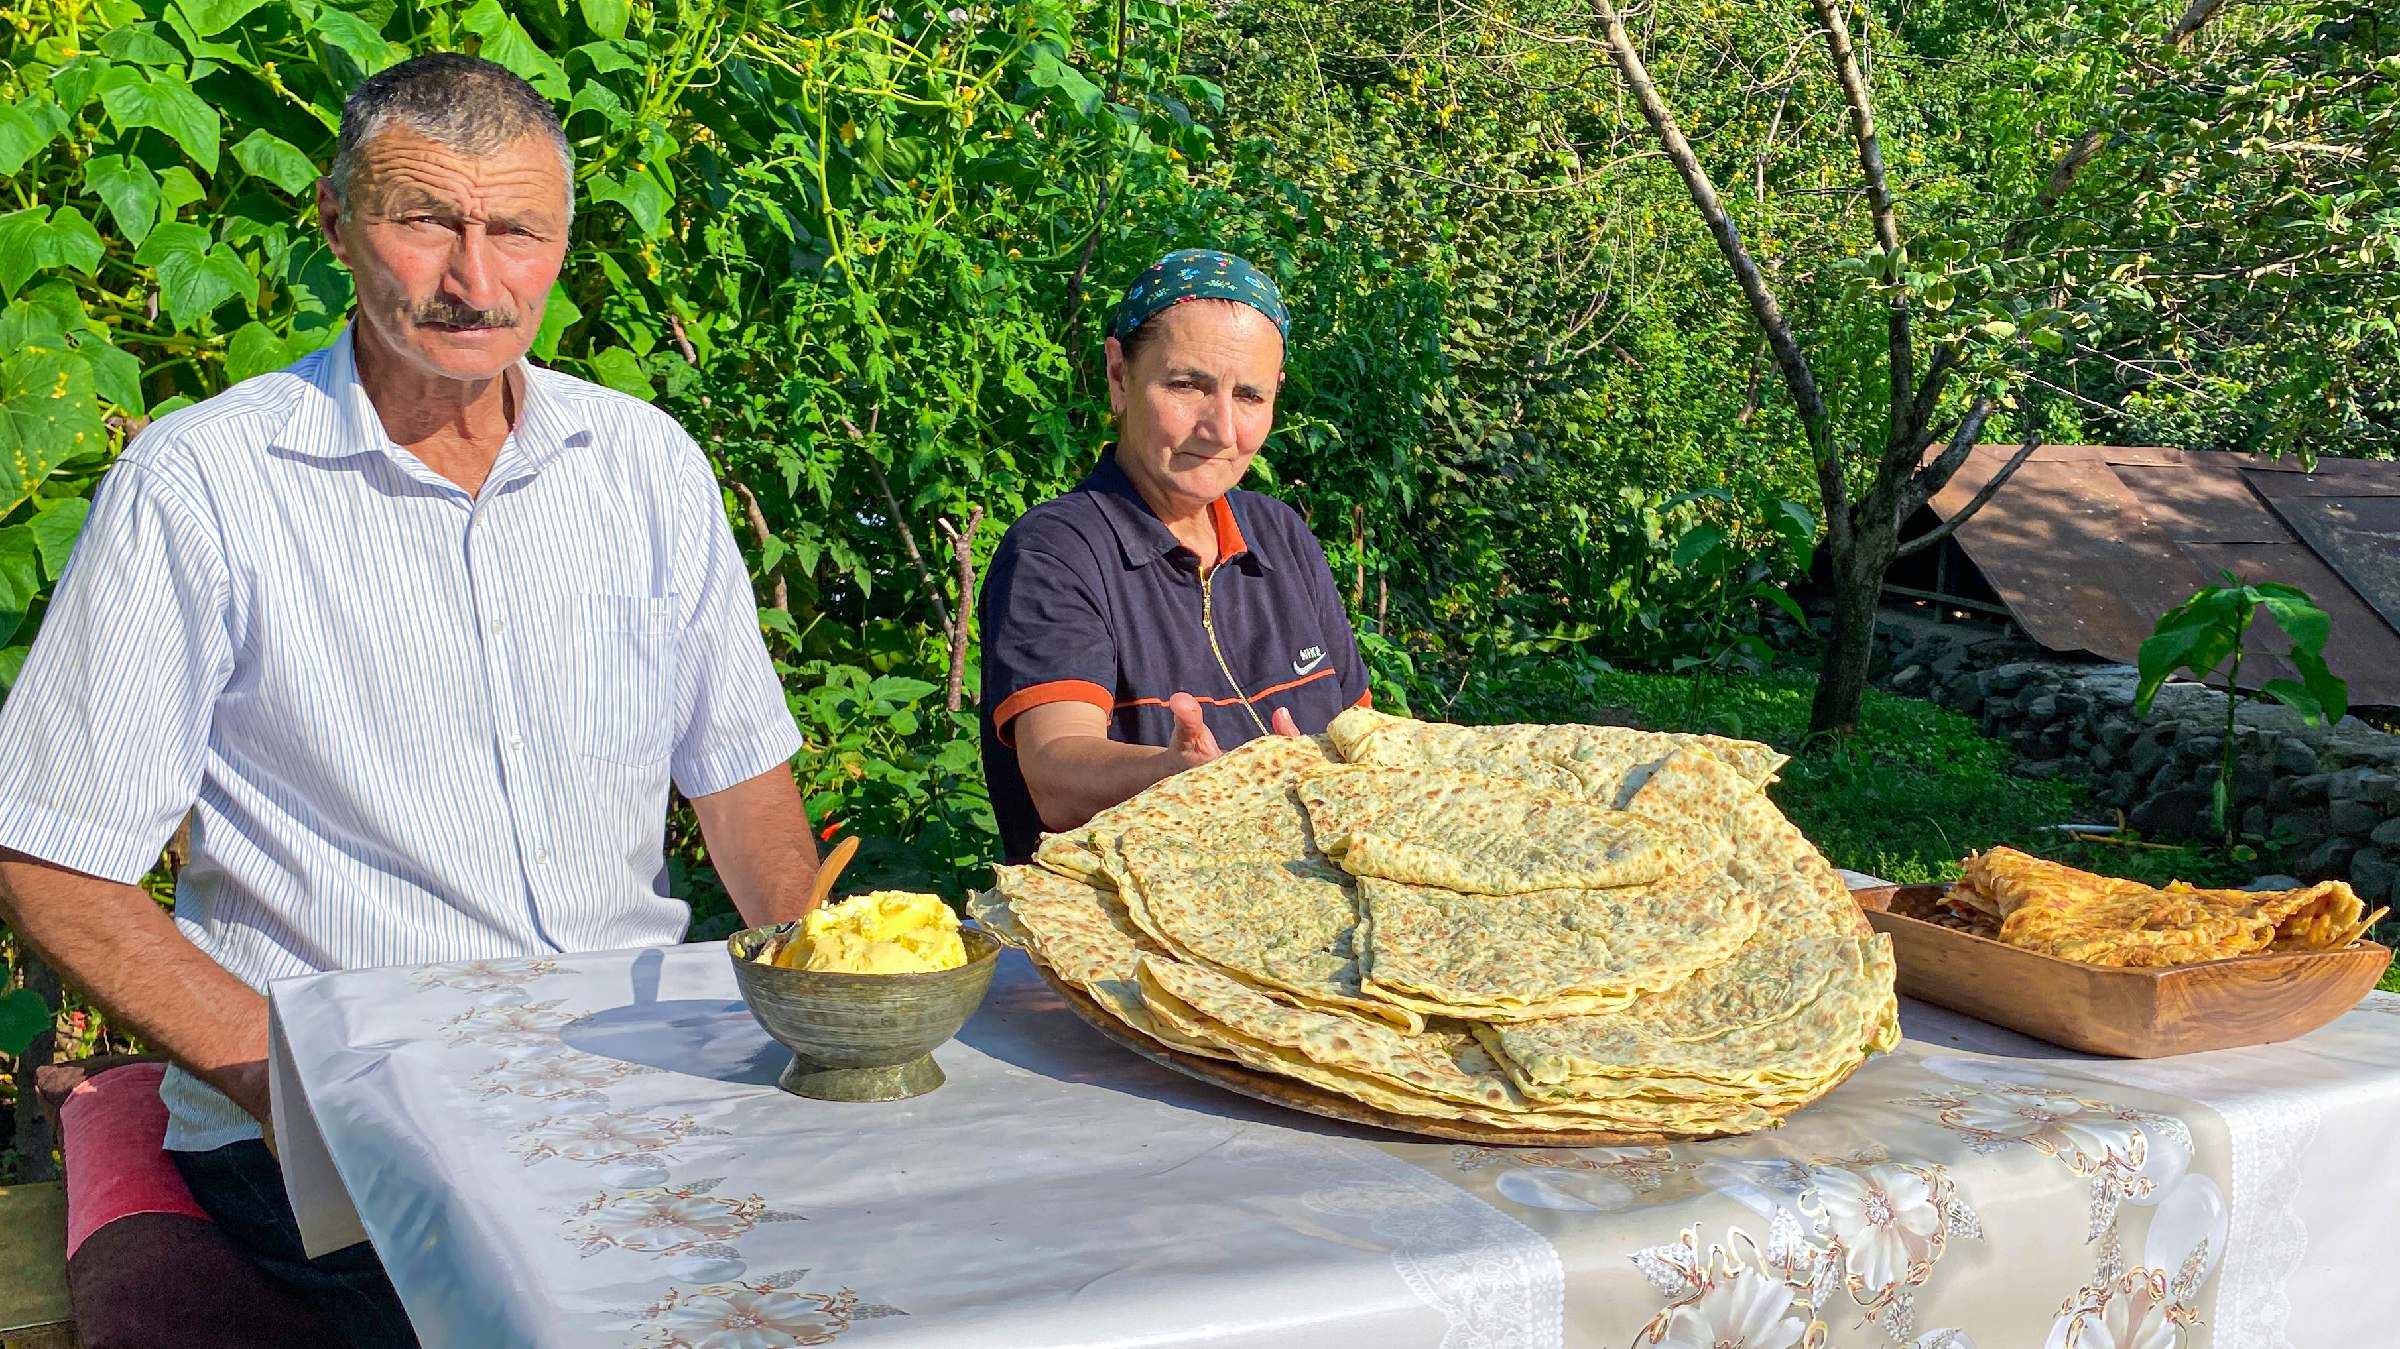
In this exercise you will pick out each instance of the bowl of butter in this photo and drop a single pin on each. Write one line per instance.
(862, 990)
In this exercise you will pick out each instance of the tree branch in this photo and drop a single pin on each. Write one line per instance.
(962, 548)
(758, 526)
(1930, 479)
(2195, 17)
(1771, 321)
(908, 545)
(2033, 441)
(1900, 447)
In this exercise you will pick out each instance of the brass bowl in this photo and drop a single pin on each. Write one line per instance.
(860, 1037)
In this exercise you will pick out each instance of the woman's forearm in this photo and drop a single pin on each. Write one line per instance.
(1073, 777)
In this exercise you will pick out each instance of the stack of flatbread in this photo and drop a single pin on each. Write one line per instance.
(1531, 927)
(2057, 910)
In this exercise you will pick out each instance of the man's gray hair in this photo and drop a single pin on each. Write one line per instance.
(465, 103)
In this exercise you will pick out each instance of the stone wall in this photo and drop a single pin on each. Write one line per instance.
(2331, 793)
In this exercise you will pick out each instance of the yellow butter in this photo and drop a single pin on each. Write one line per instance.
(883, 932)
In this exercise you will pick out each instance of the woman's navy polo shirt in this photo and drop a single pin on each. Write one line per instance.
(1091, 599)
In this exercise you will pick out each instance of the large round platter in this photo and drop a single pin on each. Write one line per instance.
(1283, 1091)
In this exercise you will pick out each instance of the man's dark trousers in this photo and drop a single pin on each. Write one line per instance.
(241, 1187)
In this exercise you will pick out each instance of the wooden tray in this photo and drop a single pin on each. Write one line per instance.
(2123, 1013)
(1284, 1091)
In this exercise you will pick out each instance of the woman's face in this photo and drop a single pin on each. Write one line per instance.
(1196, 401)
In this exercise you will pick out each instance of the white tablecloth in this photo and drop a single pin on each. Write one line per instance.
(591, 1151)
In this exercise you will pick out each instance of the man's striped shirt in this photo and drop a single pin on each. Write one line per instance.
(409, 725)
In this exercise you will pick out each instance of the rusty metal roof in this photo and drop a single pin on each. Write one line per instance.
(2088, 544)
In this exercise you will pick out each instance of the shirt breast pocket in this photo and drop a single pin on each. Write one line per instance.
(627, 678)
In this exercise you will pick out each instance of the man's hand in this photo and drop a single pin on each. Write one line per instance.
(1283, 723)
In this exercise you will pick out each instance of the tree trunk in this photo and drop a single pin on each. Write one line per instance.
(1842, 682)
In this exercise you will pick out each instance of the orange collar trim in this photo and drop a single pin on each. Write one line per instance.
(1229, 531)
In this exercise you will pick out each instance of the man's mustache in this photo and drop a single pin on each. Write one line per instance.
(451, 314)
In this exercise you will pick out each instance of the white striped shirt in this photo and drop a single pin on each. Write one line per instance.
(410, 725)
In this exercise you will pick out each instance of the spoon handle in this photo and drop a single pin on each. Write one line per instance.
(830, 870)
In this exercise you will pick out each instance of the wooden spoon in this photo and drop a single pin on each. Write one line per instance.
(795, 950)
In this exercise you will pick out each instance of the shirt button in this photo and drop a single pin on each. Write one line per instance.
(516, 742)
(542, 858)
(498, 624)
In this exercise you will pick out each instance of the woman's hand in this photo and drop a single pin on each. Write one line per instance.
(1193, 741)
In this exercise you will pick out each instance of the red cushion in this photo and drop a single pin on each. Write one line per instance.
(111, 1126)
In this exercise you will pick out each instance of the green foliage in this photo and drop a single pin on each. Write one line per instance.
(2207, 631)
(23, 1016)
(855, 250)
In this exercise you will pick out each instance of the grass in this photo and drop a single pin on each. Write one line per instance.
(1906, 798)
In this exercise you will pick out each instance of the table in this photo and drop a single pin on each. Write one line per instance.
(590, 1151)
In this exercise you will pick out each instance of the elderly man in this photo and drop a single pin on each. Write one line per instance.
(417, 634)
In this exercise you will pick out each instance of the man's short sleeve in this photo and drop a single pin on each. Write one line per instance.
(102, 739)
(734, 723)
(1046, 638)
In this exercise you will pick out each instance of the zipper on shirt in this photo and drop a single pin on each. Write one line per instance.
(1208, 624)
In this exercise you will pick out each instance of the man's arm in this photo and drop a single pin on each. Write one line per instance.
(114, 943)
(760, 842)
(1074, 771)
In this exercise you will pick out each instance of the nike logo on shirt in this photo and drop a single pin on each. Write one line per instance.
(1309, 660)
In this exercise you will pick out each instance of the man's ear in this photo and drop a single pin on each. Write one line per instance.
(329, 219)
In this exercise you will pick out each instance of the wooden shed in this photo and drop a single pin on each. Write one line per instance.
(2088, 544)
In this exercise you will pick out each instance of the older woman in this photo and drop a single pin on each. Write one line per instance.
(1154, 617)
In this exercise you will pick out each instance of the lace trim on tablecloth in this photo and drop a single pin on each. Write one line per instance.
(1497, 1283)
(2267, 1135)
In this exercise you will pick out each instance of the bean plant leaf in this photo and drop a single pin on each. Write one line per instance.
(20, 577)
(358, 39)
(74, 83)
(211, 17)
(609, 57)
(178, 188)
(23, 1015)
(116, 375)
(29, 323)
(140, 44)
(506, 41)
(194, 277)
(163, 100)
(256, 350)
(130, 191)
(26, 129)
(48, 416)
(637, 192)
(593, 96)
(12, 663)
(621, 370)
(1067, 82)
(559, 313)
(607, 17)
(35, 238)
(266, 155)
(55, 529)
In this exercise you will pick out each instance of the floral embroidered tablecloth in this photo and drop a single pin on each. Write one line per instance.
(590, 1151)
